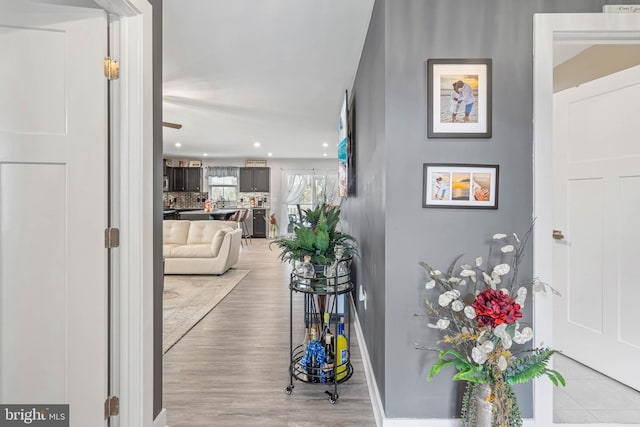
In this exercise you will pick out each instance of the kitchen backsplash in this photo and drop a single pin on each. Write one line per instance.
(184, 199)
(260, 200)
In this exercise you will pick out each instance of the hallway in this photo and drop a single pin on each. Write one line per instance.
(231, 368)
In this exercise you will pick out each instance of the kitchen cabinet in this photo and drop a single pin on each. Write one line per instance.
(259, 223)
(254, 180)
(185, 179)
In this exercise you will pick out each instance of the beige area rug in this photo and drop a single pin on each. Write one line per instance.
(187, 299)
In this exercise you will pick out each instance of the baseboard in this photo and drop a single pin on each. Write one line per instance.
(376, 401)
(161, 419)
(374, 393)
(421, 422)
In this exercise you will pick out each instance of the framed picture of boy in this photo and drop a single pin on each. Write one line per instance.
(451, 185)
(458, 98)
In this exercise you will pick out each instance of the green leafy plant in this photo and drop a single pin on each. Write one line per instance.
(316, 235)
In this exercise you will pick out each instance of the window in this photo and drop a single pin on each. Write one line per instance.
(308, 188)
(223, 184)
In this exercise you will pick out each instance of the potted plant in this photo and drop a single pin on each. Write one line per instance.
(316, 235)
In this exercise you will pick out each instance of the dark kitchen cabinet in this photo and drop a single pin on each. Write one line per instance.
(259, 223)
(186, 179)
(254, 180)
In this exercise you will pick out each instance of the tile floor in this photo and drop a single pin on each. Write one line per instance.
(591, 397)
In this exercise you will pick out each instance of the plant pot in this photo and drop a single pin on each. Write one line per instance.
(484, 408)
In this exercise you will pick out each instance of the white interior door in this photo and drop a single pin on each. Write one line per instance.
(53, 176)
(596, 203)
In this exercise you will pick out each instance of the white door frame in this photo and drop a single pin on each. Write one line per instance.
(545, 28)
(134, 112)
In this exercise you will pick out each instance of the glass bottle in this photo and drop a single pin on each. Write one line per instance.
(341, 266)
(327, 368)
(305, 272)
(312, 371)
(342, 352)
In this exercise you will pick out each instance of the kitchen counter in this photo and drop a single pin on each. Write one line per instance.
(203, 215)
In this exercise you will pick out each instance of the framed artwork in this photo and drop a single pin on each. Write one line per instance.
(195, 163)
(451, 185)
(343, 132)
(458, 98)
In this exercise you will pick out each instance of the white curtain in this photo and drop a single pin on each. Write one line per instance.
(294, 184)
(331, 188)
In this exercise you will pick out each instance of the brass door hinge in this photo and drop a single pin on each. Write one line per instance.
(111, 69)
(111, 237)
(111, 407)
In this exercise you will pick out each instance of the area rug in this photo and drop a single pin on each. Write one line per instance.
(187, 299)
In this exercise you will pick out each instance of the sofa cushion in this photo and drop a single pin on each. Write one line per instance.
(191, 251)
(175, 232)
(202, 232)
(166, 249)
(216, 243)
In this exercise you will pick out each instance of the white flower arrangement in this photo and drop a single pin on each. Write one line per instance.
(481, 322)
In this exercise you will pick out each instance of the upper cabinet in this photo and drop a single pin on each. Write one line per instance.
(185, 179)
(254, 180)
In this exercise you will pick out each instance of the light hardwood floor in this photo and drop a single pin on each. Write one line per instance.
(231, 369)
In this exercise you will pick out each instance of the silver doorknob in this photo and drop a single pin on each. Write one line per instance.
(557, 234)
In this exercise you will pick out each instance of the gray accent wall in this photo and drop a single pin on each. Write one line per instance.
(364, 216)
(386, 215)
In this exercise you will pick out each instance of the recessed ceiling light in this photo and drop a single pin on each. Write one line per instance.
(269, 154)
(325, 144)
(256, 144)
(204, 154)
(324, 154)
(178, 144)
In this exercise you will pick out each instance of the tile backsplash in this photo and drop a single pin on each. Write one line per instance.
(184, 199)
(260, 199)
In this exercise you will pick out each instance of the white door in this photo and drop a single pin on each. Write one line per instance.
(53, 176)
(597, 208)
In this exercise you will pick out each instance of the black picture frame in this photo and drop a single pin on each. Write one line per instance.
(460, 185)
(475, 77)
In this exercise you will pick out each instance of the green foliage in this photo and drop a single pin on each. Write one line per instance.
(533, 366)
(316, 235)
(466, 371)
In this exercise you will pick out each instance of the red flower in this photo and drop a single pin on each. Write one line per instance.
(494, 308)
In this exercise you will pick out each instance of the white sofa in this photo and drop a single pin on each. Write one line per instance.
(200, 247)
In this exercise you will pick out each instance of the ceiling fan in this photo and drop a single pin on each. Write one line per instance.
(172, 125)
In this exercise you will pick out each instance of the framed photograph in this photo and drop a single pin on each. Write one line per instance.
(195, 163)
(451, 185)
(458, 98)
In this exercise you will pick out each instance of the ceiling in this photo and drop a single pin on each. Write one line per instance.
(237, 72)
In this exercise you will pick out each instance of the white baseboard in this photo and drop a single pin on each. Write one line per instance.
(374, 393)
(438, 422)
(161, 419)
(376, 401)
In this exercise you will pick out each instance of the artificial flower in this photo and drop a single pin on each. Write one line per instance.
(494, 308)
(457, 305)
(501, 269)
(470, 312)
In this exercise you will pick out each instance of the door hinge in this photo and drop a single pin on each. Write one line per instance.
(111, 68)
(111, 237)
(111, 406)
